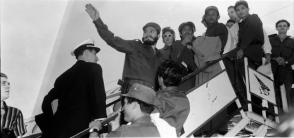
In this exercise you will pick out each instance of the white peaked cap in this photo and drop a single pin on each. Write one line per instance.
(87, 44)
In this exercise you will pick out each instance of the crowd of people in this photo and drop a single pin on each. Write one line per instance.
(152, 78)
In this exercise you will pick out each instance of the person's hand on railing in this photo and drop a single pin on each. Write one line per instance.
(280, 60)
(240, 54)
(95, 125)
(267, 58)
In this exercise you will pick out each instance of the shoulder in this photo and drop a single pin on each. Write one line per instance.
(118, 132)
(253, 18)
(291, 40)
(123, 131)
(221, 25)
(136, 42)
(14, 110)
(177, 43)
(92, 66)
(272, 36)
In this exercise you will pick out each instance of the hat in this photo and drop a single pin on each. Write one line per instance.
(241, 2)
(87, 44)
(211, 8)
(142, 93)
(167, 29)
(154, 25)
(191, 24)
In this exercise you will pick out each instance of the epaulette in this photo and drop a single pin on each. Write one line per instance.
(138, 41)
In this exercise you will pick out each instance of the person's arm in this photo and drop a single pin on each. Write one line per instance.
(117, 43)
(47, 102)
(290, 61)
(267, 48)
(19, 128)
(188, 58)
(251, 31)
(223, 35)
(97, 96)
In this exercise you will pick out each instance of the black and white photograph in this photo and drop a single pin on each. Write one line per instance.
(147, 68)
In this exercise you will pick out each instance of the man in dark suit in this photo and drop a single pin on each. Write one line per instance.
(283, 59)
(250, 45)
(80, 93)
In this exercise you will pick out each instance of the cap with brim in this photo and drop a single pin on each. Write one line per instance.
(211, 8)
(168, 29)
(154, 25)
(88, 44)
(191, 24)
(142, 93)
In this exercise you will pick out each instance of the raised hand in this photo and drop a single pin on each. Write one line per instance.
(92, 11)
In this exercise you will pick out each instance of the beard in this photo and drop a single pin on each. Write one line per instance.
(148, 41)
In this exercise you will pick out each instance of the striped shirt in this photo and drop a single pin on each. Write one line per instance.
(12, 120)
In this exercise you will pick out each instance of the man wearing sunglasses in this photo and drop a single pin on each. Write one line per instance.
(168, 38)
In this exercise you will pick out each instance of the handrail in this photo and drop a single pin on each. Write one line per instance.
(190, 75)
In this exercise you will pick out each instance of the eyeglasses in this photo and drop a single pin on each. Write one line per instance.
(169, 35)
(5, 83)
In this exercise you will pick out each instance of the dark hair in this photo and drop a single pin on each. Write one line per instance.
(145, 108)
(167, 29)
(79, 51)
(190, 24)
(241, 2)
(230, 20)
(231, 7)
(283, 20)
(3, 75)
(171, 72)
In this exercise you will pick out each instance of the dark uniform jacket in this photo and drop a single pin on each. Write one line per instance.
(141, 61)
(182, 55)
(173, 106)
(251, 38)
(220, 30)
(81, 99)
(165, 52)
(283, 49)
(143, 127)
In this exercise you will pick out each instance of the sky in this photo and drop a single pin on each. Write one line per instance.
(37, 36)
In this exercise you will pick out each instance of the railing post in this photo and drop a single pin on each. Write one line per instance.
(247, 83)
(284, 98)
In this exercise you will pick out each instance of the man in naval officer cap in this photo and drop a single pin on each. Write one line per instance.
(80, 93)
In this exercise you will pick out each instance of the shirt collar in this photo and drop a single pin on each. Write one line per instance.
(5, 106)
